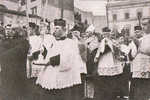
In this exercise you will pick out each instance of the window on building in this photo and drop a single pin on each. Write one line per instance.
(127, 15)
(139, 15)
(33, 0)
(114, 17)
(34, 10)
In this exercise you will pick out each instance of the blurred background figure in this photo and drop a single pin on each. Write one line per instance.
(2, 31)
(13, 66)
(8, 30)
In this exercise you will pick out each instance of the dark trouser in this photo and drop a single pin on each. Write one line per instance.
(77, 92)
(71, 93)
(15, 91)
(106, 87)
(124, 81)
(140, 89)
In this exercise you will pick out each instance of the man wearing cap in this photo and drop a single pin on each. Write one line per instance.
(134, 44)
(109, 69)
(40, 43)
(35, 42)
(92, 42)
(61, 72)
(76, 31)
(140, 88)
(138, 31)
(79, 89)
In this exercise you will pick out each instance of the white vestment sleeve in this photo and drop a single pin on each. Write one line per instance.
(134, 49)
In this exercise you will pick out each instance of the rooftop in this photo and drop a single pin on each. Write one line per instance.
(115, 3)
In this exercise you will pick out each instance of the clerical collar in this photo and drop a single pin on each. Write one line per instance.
(60, 38)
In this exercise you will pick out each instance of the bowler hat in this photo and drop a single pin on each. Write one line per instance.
(106, 29)
(59, 22)
(137, 28)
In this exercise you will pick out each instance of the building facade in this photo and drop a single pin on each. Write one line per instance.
(11, 13)
(7, 4)
(127, 13)
(10, 4)
(85, 15)
(52, 9)
(99, 23)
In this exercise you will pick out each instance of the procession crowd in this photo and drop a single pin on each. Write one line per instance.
(74, 65)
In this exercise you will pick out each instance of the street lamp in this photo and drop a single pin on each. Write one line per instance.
(107, 14)
(62, 9)
(139, 16)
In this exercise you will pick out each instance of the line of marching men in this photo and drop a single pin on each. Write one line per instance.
(72, 66)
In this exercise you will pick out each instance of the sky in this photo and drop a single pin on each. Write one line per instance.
(96, 6)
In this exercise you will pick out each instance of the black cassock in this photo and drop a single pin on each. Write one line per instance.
(13, 69)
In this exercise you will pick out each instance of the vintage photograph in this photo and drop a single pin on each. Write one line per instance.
(74, 49)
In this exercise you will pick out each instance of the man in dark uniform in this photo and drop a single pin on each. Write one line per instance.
(13, 72)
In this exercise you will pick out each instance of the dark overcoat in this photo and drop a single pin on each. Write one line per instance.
(13, 69)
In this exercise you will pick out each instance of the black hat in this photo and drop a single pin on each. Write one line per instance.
(8, 26)
(106, 29)
(136, 28)
(32, 25)
(24, 27)
(77, 28)
(59, 22)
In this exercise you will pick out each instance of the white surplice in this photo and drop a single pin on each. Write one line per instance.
(35, 45)
(107, 64)
(67, 73)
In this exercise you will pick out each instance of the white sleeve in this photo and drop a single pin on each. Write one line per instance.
(101, 48)
(125, 49)
(110, 44)
(69, 57)
(133, 49)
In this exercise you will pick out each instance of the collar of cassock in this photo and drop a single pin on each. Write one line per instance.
(60, 38)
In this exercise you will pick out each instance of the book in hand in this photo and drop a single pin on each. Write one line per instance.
(55, 60)
(35, 55)
(39, 64)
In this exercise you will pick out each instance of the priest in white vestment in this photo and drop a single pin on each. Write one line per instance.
(62, 70)
(140, 88)
(109, 68)
(35, 42)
